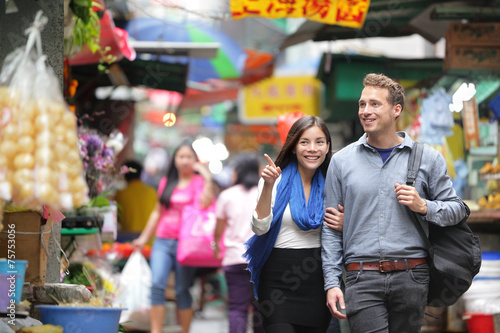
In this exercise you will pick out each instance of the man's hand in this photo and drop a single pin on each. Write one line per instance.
(334, 219)
(408, 196)
(333, 296)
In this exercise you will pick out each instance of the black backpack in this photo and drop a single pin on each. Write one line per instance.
(454, 251)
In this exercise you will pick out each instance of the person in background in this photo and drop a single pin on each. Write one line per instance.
(284, 254)
(135, 202)
(186, 180)
(233, 210)
(155, 166)
(385, 258)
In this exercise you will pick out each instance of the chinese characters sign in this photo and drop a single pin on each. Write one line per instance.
(347, 13)
(263, 102)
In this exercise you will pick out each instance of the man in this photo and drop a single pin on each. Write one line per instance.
(385, 258)
(135, 203)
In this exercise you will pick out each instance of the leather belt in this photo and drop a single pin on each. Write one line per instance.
(385, 266)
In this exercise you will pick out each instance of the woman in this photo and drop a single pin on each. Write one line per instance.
(186, 180)
(284, 255)
(234, 207)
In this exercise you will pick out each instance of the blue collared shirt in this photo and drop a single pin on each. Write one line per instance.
(376, 225)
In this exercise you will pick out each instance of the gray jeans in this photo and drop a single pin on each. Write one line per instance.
(386, 302)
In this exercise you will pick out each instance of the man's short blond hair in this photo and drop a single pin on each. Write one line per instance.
(396, 91)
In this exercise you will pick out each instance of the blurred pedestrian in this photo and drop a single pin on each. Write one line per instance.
(384, 255)
(186, 180)
(135, 202)
(285, 254)
(234, 208)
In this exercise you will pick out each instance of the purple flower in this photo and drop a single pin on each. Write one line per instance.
(107, 152)
(93, 144)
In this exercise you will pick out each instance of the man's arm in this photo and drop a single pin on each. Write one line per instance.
(445, 207)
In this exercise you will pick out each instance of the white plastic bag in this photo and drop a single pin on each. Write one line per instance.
(134, 293)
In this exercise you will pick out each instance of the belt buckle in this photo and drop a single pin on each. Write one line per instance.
(381, 268)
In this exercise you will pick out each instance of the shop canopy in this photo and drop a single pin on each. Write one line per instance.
(387, 18)
(343, 78)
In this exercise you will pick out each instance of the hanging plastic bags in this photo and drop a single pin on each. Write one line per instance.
(134, 292)
(40, 163)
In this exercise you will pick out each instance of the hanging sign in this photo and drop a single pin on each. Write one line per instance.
(347, 13)
(470, 120)
(263, 102)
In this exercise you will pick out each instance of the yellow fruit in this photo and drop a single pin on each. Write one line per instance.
(78, 184)
(44, 139)
(8, 149)
(68, 120)
(61, 151)
(42, 122)
(24, 161)
(44, 156)
(71, 138)
(27, 129)
(26, 144)
(10, 132)
(21, 176)
(47, 193)
(26, 191)
(45, 174)
(59, 132)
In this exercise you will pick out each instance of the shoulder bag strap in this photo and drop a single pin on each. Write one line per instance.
(413, 167)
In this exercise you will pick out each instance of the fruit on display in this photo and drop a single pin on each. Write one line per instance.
(40, 162)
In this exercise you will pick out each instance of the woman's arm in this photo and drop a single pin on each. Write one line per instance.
(269, 174)
(207, 194)
(220, 226)
(150, 228)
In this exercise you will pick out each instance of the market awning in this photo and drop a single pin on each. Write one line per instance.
(399, 18)
(137, 73)
(344, 79)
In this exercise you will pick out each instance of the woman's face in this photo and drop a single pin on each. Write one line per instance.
(311, 149)
(185, 160)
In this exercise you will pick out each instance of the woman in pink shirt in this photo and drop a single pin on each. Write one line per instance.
(187, 180)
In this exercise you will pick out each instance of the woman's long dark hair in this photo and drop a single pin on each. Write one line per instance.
(246, 167)
(173, 176)
(286, 154)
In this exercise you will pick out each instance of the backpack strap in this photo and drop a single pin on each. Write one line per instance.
(413, 166)
(414, 163)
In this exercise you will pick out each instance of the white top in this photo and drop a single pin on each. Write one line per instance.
(290, 235)
(235, 206)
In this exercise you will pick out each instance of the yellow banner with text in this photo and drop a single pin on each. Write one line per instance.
(347, 13)
(263, 102)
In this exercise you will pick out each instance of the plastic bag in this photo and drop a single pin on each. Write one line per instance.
(134, 292)
(40, 163)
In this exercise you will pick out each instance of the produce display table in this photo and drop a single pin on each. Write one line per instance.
(81, 232)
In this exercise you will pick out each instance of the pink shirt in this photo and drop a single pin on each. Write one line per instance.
(235, 205)
(170, 219)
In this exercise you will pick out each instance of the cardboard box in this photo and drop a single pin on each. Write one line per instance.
(28, 242)
(474, 34)
(472, 58)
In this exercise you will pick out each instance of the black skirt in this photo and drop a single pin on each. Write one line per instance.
(291, 289)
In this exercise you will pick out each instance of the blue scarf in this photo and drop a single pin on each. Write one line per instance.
(306, 216)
